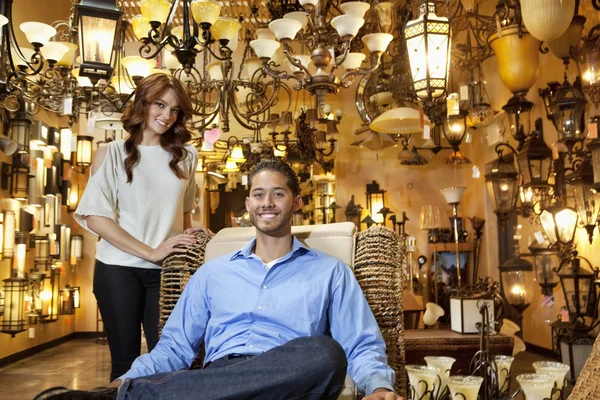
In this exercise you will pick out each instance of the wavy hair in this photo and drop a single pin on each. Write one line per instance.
(134, 117)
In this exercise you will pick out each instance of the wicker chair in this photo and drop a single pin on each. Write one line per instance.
(374, 255)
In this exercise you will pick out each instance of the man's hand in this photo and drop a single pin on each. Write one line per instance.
(383, 394)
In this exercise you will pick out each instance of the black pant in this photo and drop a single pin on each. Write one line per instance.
(127, 298)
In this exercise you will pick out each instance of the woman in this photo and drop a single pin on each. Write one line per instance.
(138, 200)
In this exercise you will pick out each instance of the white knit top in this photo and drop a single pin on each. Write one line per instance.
(150, 208)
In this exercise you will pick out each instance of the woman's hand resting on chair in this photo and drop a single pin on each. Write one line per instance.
(383, 394)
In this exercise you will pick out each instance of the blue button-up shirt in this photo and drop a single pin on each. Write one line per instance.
(238, 306)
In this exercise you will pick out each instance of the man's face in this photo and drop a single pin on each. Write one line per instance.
(271, 203)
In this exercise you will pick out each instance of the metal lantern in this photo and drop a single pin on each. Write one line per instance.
(83, 157)
(428, 44)
(535, 160)
(375, 202)
(13, 320)
(455, 129)
(20, 126)
(594, 148)
(67, 300)
(98, 21)
(50, 295)
(546, 95)
(517, 278)
(545, 261)
(559, 224)
(501, 178)
(15, 177)
(581, 184)
(579, 288)
(568, 106)
(587, 58)
(518, 111)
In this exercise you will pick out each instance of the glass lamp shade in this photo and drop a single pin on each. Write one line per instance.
(138, 66)
(547, 21)
(581, 184)
(455, 128)
(141, 26)
(400, 120)
(66, 301)
(428, 44)
(594, 148)
(347, 25)
(253, 65)
(588, 64)
(556, 369)
(561, 46)
(265, 48)
(121, 86)
(304, 59)
(205, 11)
(377, 42)
(501, 178)
(215, 71)
(452, 195)
(578, 288)
(568, 107)
(83, 158)
(423, 381)
(535, 162)
(307, 4)
(237, 154)
(98, 23)
(559, 224)
(54, 51)
(73, 198)
(13, 320)
(20, 126)
(299, 16)
(355, 8)
(37, 33)
(285, 28)
(68, 57)
(8, 234)
(517, 281)
(518, 58)
(83, 81)
(536, 386)
(77, 246)
(464, 387)
(545, 261)
(230, 166)
(432, 217)
(518, 110)
(224, 29)
(155, 10)
(3, 21)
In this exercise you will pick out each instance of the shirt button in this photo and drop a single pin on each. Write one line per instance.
(265, 287)
(260, 307)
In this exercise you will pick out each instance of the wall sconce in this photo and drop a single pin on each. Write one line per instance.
(83, 157)
(20, 125)
(67, 301)
(65, 241)
(39, 133)
(535, 160)
(13, 320)
(8, 234)
(568, 107)
(579, 289)
(50, 295)
(375, 202)
(66, 135)
(42, 253)
(52, 176)
(501, 178)
(36, 181)
(545, 261)
(25, 221)
(53, 138)
(581, 183)
(77, 296)
(36, 280)
(76, 248)
(559, 224)
(353, 212)
(21, 253)
(518, 111)
(15, 177)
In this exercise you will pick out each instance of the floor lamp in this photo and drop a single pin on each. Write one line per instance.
(431, 220)
(453, 196)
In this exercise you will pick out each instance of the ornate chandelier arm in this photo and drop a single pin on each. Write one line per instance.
(342, 58)
(375, 62)
(288, 52)
(324, 153)
(280, 75)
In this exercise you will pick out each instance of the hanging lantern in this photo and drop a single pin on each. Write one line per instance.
(545, 261)
(588, 64)
(535, 160)
(594, 148)
(517, 278)
(518, 110)
(568, 107)
(501, 178)
(13, 320)
(559, 224)
(581, 184)
(579, 289)
(561, 46)
(375, 202)
(428, 44)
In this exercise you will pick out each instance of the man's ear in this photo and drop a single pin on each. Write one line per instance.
(246, 202)
(298, 203)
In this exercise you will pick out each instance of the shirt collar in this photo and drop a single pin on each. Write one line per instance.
(247, 250)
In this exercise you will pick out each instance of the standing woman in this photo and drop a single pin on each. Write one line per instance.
(138, 200)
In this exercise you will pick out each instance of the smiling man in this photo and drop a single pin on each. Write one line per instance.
(285, 320)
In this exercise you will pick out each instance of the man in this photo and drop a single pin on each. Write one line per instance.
(279, 320)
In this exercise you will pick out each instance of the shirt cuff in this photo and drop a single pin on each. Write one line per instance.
(376, 383)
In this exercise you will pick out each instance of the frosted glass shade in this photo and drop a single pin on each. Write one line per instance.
(353, 61)
(423, 380)
(285, 28)
(377, 42)
(253, 64)
(561, 46)
(304, 3)
(347, 25)
(400, 120)
(547, 20)
(155, 10)
(225, 28)
(536, 386)
(54, 51)
(299, 16)
(141, 26)
(432, 313)
(37, 32)
(556, 369)
(265, 33)
(304, 60)
(464, 387)
(265, 48)
(138, 66)
(27, 54)
(83, 81)
(69, 56)
(215, 71)
(205, 11)
(356, 8)
(120, 85)
(453, 194)
(3, 20)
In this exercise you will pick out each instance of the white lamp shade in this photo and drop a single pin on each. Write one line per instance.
(400, 120)
(353, 61)
(83, 81)
(3, 20)
(54, 51)
(453, 194)
(69, 56)
(299, 16)
(233, 43)
(215, 71)
(304, 60)
(285, 28)
(382, 99)
(27, 54)
(509, 328)
(356, 8)
(138, 66)
(518, 346)
(432, 313)
(547, 20)
(308, 2)
(37, 32)
(120, 85)
(377, 42)
(265, 33)
(169, 60)
(265, 48)
(347, 25)
(253, 64)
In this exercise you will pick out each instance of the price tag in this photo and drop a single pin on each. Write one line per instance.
(476, 172)
(593, 130)
(452, 105)
(91, 122)
(67, 106)
(244, 180)
(554, 151)
(426, 134)
(464, 92)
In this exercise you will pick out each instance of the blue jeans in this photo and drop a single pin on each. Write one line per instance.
(304, 368)
(127, 298)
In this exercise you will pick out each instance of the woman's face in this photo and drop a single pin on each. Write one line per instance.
(162, 114)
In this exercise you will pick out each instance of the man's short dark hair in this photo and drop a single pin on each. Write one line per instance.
(274, 164)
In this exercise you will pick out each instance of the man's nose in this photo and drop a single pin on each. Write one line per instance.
(268, 200)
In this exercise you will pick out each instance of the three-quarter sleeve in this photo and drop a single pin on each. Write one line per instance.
(189, 199)
(100, 195)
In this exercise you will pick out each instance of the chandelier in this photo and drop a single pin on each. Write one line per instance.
(316, 31)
